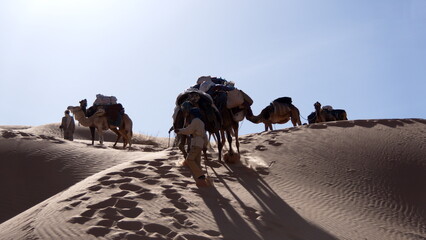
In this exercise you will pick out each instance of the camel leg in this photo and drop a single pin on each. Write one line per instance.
(268, 126)
(123, 133)
(222, 133)
(129, 138)
(229, 137)
(237, 142)
(92, 133)
(101, 136)
(219, 146)
(118, 135)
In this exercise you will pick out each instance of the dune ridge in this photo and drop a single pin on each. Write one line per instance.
(361, 179)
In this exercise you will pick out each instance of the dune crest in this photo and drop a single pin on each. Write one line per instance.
(361, 179)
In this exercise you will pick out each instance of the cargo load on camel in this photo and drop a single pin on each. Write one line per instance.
(113, 110)
(225, 95)
(104, 100)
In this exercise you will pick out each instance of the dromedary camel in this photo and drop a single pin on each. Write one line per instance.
(99, 121)
(328, 114)
(211, 117)
(281, 110)
(230, 120)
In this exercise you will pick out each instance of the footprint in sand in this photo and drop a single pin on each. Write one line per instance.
(155, 164)
(172, 153)
(110, 214)
(131, 212)
(161, 159)
(274, 143)
(98, 231)
(88, 213)
(134, 175)
(151, 181)
(79, 220)
(212, 233)
(172, 194)
(198, 237)
(73, 197)
(180, 218)
(131, 169)
(163, 169)
(95, 188)
(129, 225)
(113, 173)
(105, 223)
(143, 162)
(120, 194)
(130, 187)
(117, 181)
(157, 228)
(123, 203)
(103, 204)
(261, 148)
(147, 196)
(168, 211)
(104, 178)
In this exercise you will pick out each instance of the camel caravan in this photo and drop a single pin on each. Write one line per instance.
(104, 114)
(222, 107)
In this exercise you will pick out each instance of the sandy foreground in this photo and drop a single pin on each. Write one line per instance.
(361, 179)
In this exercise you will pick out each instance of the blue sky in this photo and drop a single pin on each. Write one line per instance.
(368, 57)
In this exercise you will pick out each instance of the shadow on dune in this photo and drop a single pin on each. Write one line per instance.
(274, 216)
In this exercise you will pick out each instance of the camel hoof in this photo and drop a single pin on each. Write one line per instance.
(231, 158)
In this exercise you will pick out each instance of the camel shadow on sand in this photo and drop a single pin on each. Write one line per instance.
(275, 214)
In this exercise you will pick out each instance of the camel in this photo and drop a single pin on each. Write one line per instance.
(281, 110)
(328, 114)
(99, 121)
(230, 122)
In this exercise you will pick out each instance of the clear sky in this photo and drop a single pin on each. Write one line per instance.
(367, 57)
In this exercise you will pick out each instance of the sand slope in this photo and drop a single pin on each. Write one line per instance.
(360, 179)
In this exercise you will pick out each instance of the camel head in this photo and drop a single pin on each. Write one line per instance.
(83, 103)
(317, 106)
(74, 109)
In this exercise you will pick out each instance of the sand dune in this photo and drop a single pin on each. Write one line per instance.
(361, 179)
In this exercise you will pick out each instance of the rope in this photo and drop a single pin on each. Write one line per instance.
(303, 118)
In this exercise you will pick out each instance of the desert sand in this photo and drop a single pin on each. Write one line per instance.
(359, 179)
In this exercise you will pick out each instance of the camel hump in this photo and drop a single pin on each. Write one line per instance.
(285, 100)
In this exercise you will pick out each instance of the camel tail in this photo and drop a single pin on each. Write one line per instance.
(295, 114)
(345, 116)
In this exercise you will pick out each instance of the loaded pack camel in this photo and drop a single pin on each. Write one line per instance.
(210, 115)
(230, 120)
(327, 114)
(101, 123)
(281, 110)
(218, 117)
